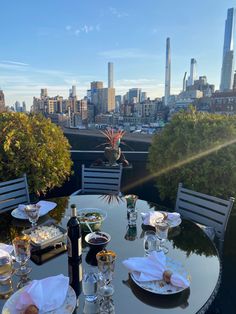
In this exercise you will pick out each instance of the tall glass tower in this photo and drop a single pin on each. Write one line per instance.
(227, 70)
(167, 71)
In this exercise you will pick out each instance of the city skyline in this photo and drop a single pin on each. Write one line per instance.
(54, 45)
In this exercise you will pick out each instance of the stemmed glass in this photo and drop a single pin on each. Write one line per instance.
(162, 228)
(90, 286)
(5, 274)
(149, 241)
(32, 212)
(106, 266)
(21, 245)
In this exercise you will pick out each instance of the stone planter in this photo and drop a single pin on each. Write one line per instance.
(112, 155)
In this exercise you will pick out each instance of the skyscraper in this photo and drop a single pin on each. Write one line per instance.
(73, 91)
(110, 75)
(227, 69)
(2, 101)
(193, 71)
(167, 72)
(44, 93)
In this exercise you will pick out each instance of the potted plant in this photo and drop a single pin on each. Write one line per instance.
(33, 145)
(112, 151)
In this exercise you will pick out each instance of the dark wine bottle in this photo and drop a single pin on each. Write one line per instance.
(74, 237)
(75, 275)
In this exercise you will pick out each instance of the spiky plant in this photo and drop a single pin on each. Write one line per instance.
(113, 137)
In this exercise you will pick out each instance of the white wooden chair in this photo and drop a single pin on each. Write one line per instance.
(100, 180)
(211, 213)
(13, 193)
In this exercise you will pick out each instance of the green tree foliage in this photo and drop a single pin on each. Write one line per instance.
(197, 149)
(33, 145)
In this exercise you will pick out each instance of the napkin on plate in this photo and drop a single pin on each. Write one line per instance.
(45, 207)
(6, 247)
(150, 217)
(153, 267)
(47, 294)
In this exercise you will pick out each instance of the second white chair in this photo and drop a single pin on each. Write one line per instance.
(206, 210)
(100, 180)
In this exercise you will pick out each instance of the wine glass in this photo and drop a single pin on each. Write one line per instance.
(90, 286)
(162, 228)
(106, 266)
(21, 245)
(5, 274)
(32, 212)
(149, 241)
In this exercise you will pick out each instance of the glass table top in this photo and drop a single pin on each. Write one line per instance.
(187, 244)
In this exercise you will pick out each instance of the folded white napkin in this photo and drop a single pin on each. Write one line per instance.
(150, 217)
(6, 247)
(47, 294)
(153, 267)
(45, 207)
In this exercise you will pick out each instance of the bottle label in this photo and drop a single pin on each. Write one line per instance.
(79, 246)
(69, 247)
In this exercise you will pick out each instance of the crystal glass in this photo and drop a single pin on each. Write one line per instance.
(106, 266)
(162, 228)
(132, 215)
(32, 212)
(5, 274)
(131, 233)
(107, 305)
(131, 200)
(23, 281)
(149, 241)
(90, 286)
(21, 245)
(91, 307)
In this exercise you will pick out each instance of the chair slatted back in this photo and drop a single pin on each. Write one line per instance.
(204, 209)
(101, 180)
(13, 193)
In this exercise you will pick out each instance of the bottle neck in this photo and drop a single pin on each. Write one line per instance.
(73, 212)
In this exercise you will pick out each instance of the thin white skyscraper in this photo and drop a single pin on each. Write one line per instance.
(110, 75)
(167, 72)
(227, 70)
(193, 71)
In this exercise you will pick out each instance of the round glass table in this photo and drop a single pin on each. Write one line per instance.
(187, 244)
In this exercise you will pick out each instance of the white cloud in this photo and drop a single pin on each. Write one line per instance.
(117, 13)
(68, 27)
(12, 67)
(15, 62)
(85, 29)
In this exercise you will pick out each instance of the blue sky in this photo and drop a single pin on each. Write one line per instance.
(57, 43)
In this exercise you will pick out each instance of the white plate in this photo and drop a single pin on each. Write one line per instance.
(160, 286)
(84, 211)
(45, 207)
(67, 307)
